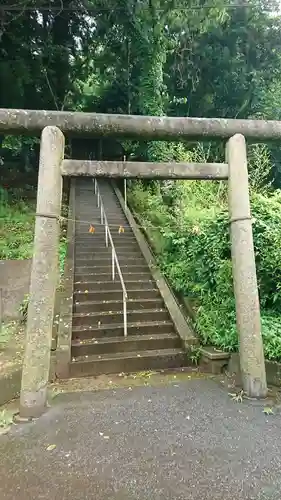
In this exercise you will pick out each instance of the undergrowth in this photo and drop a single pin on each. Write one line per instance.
(188, 223)
(17, 233)
(16, 228)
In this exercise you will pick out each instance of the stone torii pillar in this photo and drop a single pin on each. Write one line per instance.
(44, 276)
(244, 271)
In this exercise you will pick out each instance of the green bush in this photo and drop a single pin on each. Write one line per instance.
(16, 229)
(196, 257)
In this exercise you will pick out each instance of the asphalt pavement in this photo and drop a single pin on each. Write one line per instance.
(186, 440)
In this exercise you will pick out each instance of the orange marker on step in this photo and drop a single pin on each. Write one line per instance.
(91, 229)
(121, 230)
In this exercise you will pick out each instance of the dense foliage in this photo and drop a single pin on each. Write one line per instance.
(191, 235)
(201, 58)
(154, 57)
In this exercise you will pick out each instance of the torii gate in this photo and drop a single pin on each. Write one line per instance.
(52, 167)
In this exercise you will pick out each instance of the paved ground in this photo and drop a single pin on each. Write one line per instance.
(184, 441)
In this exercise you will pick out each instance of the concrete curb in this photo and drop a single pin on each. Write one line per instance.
(10, 384)
(272, 368)
(63, 352)
(183, 329)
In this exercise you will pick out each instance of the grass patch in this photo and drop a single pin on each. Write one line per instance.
(17, 221)
(16, 230)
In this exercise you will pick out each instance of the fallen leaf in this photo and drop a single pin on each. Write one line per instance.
(268, 411)
(51, 447)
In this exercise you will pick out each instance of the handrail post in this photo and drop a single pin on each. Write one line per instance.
(98, 199)
(106, 235)
(125, 314)
(101, 213)
(95, 186)
(125, 187)
(113, 264)
(125, 193)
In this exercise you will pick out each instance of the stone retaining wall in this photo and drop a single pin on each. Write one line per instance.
(14, 283)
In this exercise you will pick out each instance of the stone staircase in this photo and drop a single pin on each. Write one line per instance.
(98, 342)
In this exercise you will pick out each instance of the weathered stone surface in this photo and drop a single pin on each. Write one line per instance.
(44, 276)
(21, 121)
(213, 360)
(148, 170)
(273, 370)
(14, 283)
(63, 353)
(10, 385)
(244, 272)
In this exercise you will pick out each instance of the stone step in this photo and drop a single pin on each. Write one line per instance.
(107, 268)
(117, 330)
(104, 286)
(105, 261)
(82, 231)
(102, 249)
(99, 234)
(116, 317)
(83, 209)
(87, 276)
(113, 221)
(99, 245)
(128, 362)
(83, 235)
(121, 344)
(117, 305)
(105, 295)
(98, 343)
(92, 258)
